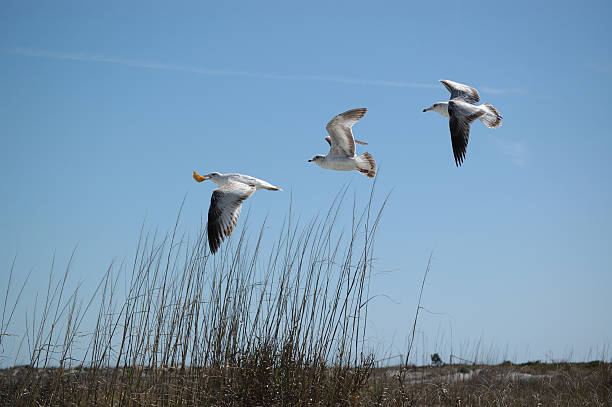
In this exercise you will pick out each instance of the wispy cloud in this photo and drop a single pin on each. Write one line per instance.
(516, 151)
(206, 71)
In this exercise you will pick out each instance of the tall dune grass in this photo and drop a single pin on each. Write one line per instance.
(244, 326)
(268, 320)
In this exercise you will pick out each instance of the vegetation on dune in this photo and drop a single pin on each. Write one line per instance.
(272, 382)
(248, 326)
(237, 327)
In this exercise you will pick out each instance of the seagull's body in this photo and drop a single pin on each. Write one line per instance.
(226, 202)
(462, 110)
(341, 156)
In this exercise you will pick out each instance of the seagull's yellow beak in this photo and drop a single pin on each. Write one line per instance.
(198, 177)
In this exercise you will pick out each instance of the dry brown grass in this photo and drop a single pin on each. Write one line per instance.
(256, 382)
(235, 328)
(506, 384)
(238, 328)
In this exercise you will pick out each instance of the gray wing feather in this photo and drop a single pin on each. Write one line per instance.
(328, 139)
(224, 211)
(461, 91)
(459, 123)
(340, 133)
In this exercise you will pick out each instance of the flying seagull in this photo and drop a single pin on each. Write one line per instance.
(226, 202)
(462, 111)
(341, 156)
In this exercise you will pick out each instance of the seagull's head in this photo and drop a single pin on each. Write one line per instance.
(440, 107)
(432, 107)
(201, 178)
(316, 158)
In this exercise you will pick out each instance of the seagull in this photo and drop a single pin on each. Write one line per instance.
(341, 156)
(226, 202)
(462, 111)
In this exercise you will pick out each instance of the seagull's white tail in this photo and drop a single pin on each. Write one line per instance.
(366, 165)
(491, 118)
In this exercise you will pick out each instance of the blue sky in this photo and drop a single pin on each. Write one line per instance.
(108, 106)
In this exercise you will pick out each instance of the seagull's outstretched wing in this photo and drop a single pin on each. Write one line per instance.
(225, 206)
(461, 115)
(363, 143)
(461, 91)
(340, 133)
